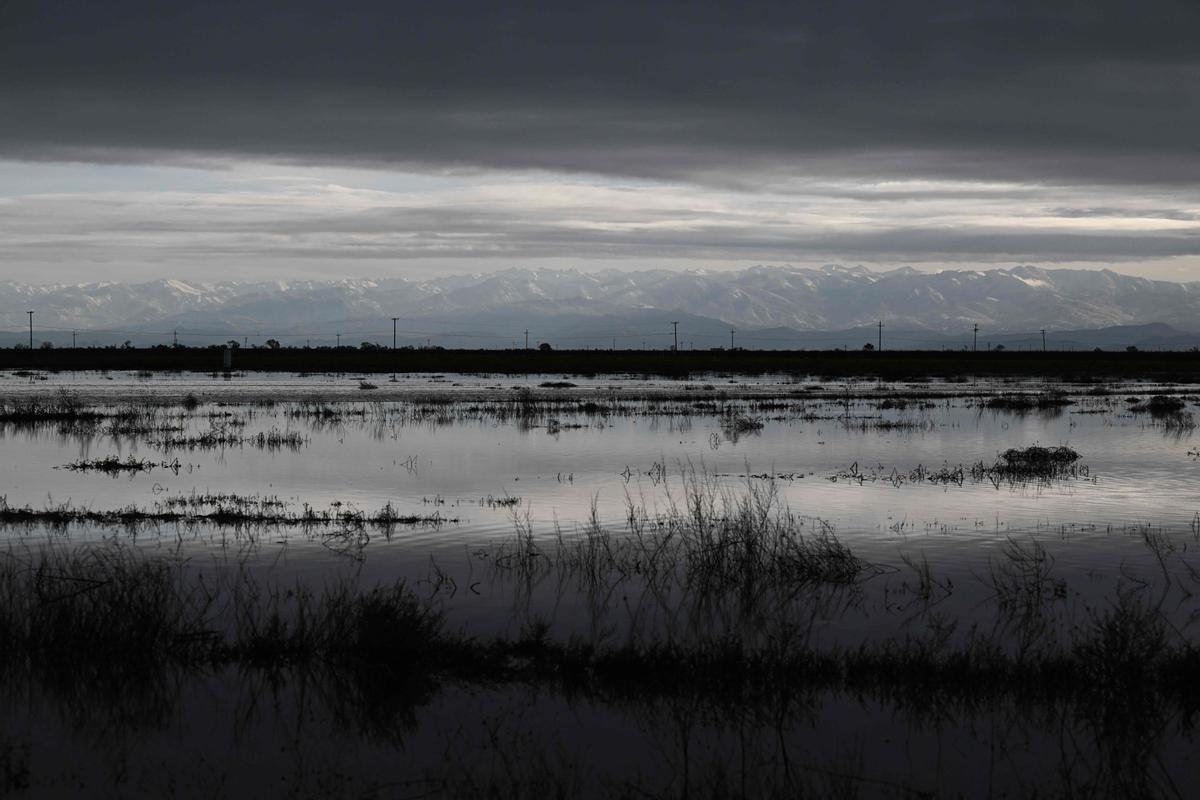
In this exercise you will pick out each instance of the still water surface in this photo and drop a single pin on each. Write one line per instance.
(485, 454)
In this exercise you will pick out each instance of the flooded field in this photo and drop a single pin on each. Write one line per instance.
(467, 585)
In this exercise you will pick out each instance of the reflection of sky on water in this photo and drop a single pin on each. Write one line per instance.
(452, 460)
(1139, 474)
(301, 731)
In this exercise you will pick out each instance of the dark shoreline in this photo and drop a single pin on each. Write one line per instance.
(1066, 365)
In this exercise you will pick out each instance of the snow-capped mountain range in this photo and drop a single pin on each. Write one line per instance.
(1021, 299)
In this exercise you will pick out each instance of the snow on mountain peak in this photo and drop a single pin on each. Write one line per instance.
(823, 298)
(185, 288)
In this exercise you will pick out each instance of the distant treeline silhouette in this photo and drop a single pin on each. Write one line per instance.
(1091, 365)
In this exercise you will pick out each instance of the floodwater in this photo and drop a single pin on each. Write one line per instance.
(479, 457)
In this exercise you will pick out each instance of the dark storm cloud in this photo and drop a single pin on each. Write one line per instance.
(720, 92)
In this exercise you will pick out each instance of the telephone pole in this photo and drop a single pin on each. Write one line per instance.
(731, 333)
(676, 324)
(72, 339)
(880, 346)
(394, 348)
(174, 338)
(1043, 340)
(30, 313)
(975, 341)
(339, 340)
(527, 338)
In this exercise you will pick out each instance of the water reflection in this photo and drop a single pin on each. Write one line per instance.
(564, 498)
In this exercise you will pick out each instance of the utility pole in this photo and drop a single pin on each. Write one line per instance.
(1043, 340)
(731, 333)
(339, 340)
(676, 324)
(394, 332)
(975, 341)
(174, 338)
(30, 313)
(880, 346)
(527, 338)
(72, 339)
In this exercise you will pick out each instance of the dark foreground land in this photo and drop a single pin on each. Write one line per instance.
(1175, 366)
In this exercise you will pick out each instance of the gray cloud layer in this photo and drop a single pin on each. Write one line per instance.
(513, 222)
(723, 93)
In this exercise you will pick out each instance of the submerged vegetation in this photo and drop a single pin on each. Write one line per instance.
(114, 465)
(115, 610)
(62, 406)
(229, 510)
(710, 542)
(1014, 467)
(219, 437)
(1028, 402)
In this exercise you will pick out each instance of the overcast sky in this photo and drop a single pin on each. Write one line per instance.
(245, 139)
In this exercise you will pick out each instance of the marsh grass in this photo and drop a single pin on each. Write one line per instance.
(224, 510)
(1049, 400)
(111, 616)
(114, 465)
(708, 538)
(1015, 467)
(109, 611)
(1036, 462)
(734, 423)
(1158, 405)
(110, 607)
(221, 437)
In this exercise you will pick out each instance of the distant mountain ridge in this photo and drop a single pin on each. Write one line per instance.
(938, 306)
